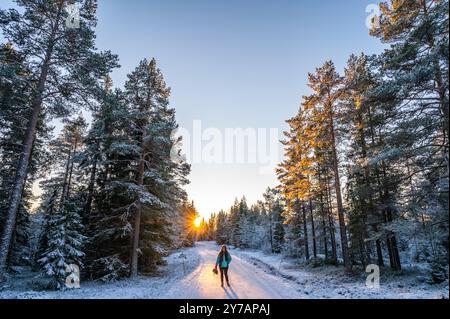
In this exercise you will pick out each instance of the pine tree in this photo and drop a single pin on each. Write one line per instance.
(415, 86)
(104, 164)
(63, 56)
(187, 233)
(326, 85)
(14, 94)
(64, 244)
(135, 195)
(294, 235)
(62, 238)
(48, 209)
(277, 226)
(237, 215)
(158, 176)
(211, 227)
(222, 228)
(249, 226)
(364, 214)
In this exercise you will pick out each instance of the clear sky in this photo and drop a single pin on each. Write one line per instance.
(233, 64)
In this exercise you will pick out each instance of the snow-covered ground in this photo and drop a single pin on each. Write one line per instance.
(253, 274)
(331, 282)
(144, 287)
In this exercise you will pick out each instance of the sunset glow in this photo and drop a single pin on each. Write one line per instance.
(197, 222)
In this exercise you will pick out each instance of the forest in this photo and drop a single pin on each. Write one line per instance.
(364, 180)
(112, 199)
(365, 175)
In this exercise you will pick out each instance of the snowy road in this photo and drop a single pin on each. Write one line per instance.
(253, 275)
(247, 280)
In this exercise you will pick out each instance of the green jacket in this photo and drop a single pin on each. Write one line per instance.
(225, 262)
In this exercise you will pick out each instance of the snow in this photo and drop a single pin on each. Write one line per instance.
(331, 282)
(253, 274)
(143, 287)
(247, 280)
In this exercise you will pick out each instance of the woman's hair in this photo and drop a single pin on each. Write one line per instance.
(221, 253)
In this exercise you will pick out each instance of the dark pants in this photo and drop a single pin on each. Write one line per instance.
(223, 271)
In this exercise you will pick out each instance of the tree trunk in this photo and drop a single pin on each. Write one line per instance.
(391, 241)
(137, 217)
(270, 232)
(331, 225)
(379, 250)
(305, 232)
(313, 229)
(362, 251)
(140, 181)
(66, 179)
(90, 194)
(21, 174)
(362, 137)
(377, 175)
(341, 213)
(71, 165)
(324, 227)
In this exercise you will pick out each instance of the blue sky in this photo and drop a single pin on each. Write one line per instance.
(234, 63)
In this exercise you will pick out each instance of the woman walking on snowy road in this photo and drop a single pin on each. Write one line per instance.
(223, 260)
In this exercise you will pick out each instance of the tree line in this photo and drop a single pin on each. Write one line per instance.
(112, 198)
(257, 226)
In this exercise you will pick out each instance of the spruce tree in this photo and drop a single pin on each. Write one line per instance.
(64, 244)
(63, 66)
(14, 96)
(222, 228)
(158, 176)
(415, 85)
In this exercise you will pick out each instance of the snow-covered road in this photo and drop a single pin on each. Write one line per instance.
(247, 280)
(253, 275)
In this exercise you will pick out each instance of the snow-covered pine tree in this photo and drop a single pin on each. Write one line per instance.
(310, 174)
(416, 84)
(104, 162)
(164, 177)
(20, 254)
(47, 210)
(64, 244)
(249, 229)
(294, 234)
(258, 219)
(365, 215)
(278, 227)
(14, 96)
(275, 219)
(186, 231)
(237, 215)
(326, 86)
(291, 174)
(155, 188)
(211, 227)
(62, 237)
(63, 55)
(222, 228)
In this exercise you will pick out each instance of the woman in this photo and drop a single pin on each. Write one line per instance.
(223, 260)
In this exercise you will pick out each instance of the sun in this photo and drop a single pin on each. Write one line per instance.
(197, 222)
